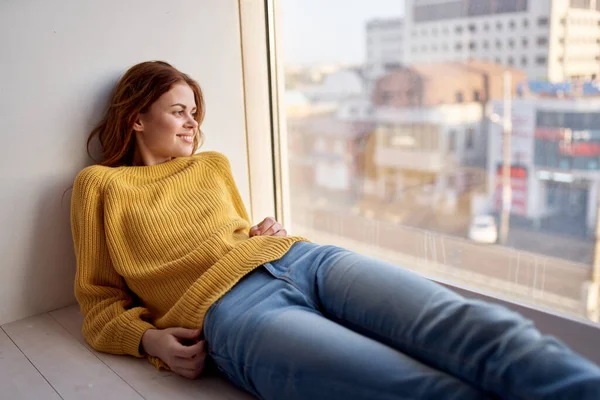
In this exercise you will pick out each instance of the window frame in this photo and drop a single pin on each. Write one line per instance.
(267, 160)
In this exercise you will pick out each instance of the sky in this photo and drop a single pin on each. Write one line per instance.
(330, 31)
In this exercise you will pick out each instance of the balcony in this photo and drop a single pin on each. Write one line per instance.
(427, 161)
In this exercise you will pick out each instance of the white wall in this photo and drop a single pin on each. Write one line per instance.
(59, 61)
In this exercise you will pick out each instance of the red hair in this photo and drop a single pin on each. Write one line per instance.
(135, 92)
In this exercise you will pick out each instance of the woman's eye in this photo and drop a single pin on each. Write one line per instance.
(179, 112)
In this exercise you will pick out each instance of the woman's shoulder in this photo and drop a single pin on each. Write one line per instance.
(215, 159)
(92, 176)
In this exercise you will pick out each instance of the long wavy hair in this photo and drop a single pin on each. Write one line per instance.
(135, 92)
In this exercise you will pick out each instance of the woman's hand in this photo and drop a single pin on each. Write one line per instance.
(168, 345)
(269, 227)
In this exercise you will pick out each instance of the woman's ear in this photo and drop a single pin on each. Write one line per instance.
(138, 125)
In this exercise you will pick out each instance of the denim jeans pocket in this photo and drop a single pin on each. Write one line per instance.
(278, 269)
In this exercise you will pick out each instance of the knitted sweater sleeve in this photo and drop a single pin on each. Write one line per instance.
(113, 323)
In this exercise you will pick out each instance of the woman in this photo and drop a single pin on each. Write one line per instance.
(166, 256)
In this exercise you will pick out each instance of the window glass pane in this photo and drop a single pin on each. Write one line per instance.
(398, 138)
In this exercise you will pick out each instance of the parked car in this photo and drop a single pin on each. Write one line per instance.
(483, 229)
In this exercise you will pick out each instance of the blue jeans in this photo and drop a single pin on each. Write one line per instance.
(323, 322)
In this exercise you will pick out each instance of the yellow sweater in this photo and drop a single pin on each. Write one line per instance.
(157, 245)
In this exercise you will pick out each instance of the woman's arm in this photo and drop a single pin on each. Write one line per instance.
(112, 322)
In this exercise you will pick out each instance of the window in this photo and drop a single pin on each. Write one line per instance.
(459, 97)
(387, 96)
(448, 141)
(470, 139)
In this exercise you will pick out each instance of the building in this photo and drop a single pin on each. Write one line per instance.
(430, 142)
(336, 87)
(326, 156)
(421, 88)
(385, 47)
(555, 162)
(558, 40)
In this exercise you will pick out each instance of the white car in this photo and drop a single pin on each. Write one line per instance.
(483, 229)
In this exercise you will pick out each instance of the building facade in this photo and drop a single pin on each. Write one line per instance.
(557, 40)
(385, 47)
(555, 162)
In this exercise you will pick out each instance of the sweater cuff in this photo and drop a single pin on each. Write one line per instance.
(132, 337)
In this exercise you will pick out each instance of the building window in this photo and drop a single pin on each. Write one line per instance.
(458, 29)
(458, 46)
(386, 97)
(497, 60)
(486, 27)
(511, 43)
(459, 97)
(411, 97)
(525, 23)
(542, 41)
(472, 28)
(485, 44)
(511, 61)
(525, 42)
(512, 25)
(452, 141)
(498, 44)
(472, 46)
(434, 32)
(476, 95)
(541, 60)
(542, 21)
(523, 61)
(470, 140)
(499, 26)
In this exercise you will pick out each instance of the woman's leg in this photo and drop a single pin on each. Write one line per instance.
(266, 336)
(481, 343)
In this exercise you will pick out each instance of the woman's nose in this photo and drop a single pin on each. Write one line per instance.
(191, 122)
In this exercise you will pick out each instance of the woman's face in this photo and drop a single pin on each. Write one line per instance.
(168, 128)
